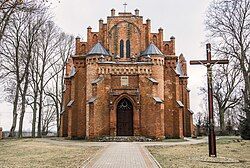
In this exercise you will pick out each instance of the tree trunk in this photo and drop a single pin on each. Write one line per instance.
(39, 124)
(20, 131)
(15, 103)
(246, 92)
(58, 120)
(222, 120)
(62, 99)
(5, 20)
(39, 133)
(34, 116)
(246, 95)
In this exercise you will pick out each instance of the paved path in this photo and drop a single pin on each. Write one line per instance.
(188, 141)
(123, 155)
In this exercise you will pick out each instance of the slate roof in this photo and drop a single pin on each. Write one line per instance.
(191, 111)
(178, 69)
(63, 110)
(180, 103)
(70, 103)
(152, 80)
(152, 50)
(72, 71)
(92, 100)
(97, 80)
(98, 49)
(158, 100)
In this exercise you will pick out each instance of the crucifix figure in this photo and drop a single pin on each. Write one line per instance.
(125, 6)
(209, 64)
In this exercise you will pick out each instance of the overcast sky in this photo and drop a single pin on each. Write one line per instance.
(183, 19)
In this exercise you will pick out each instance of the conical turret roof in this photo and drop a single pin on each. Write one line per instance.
(152, 50)
(98, 49)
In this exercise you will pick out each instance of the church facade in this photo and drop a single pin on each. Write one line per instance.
(126, 81)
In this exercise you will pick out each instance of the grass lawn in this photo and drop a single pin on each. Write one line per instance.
(229, 151)
(37, 153)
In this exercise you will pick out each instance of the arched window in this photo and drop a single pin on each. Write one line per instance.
(95, 39)
(155, 40)
(121, 48)
(127, 48)
(166, 48)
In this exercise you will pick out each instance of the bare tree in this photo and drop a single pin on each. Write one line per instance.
(226, 91)
(228, 25)
(49, 45)
(198, 120)
(201, 119)
(34, 86)
(55, 89)
(35, 21)
(7, 9)
(33, 55)
(10, 7)
(48, 116)
(11, 56)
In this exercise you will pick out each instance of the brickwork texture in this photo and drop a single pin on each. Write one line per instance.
(155, 84)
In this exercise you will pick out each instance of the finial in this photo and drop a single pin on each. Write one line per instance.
(172, 37)
(133, 58)
(148, 58)
(136, 12)
(113, 12)
(102, 58)
(125, 6)
(117, 57)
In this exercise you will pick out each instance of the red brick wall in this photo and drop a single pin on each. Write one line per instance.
(169, 96)
(72, 112)
(80, 96)
(98, 118)
(125, 26)
(64, 116)
(101, 106)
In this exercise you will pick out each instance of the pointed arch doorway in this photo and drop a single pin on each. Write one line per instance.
(124, 118)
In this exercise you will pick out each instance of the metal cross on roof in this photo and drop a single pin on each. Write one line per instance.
(125, 6)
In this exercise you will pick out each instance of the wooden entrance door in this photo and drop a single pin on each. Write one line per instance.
(124, 118)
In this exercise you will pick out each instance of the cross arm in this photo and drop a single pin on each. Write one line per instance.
(198, 62)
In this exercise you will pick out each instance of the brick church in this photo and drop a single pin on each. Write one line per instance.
(126, 81)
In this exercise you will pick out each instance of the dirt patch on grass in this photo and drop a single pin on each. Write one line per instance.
(231, 153)
(35, 153)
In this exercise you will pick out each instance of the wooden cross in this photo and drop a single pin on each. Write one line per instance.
(209, 64)
(125, 6)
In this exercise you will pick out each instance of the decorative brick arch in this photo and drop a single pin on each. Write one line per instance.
(155, 40)
(124, 21)
(95, 39)
(114, 38)
(127, 96)
(113, 115)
